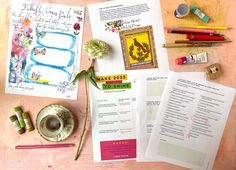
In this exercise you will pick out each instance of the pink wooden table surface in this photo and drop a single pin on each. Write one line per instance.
(222, 12)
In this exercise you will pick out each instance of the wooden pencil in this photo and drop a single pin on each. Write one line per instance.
(45, 146)
(200, 42)
(207, 27)
(172, 45)
(190, 31)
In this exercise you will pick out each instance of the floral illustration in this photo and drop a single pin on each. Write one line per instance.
(114, 26)
(21, 41)
(77, 26)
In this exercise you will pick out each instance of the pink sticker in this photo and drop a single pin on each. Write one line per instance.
(114, 82)
(118, 149)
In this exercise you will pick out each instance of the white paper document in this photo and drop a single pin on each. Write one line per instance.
(108, 19)
(113, 112)
(44, 49)
(149, 91)
(190, 122)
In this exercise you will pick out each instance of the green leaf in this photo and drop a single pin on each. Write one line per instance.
(92, 80)
(79, 75)
(91, 73)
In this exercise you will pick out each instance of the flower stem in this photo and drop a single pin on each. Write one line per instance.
(85, 123)
(92, 63)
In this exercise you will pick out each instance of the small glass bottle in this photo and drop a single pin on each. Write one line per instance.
(18, 112)
(28, 123)
(15, 122)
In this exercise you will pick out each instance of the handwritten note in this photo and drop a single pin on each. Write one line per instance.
(44, 49)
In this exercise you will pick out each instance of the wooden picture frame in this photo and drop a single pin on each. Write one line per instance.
(138, 48)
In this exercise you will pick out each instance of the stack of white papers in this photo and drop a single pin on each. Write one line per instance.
(190, 121)
(143, 111)
(179, 121)
(152, 114)
(114, 108)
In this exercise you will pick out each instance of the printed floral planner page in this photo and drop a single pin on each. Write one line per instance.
(44, 49)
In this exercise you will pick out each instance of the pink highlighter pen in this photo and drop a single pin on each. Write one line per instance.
(192, 59)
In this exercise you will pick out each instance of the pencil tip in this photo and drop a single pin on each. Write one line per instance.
(228, 40)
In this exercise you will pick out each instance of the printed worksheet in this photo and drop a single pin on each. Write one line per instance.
(135, 32)
(149, 92)
(113, 112)
(44, 49)
(190, 122)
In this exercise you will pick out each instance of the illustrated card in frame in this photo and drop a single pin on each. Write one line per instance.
(138, 48)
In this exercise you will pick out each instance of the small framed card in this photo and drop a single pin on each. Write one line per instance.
(138, 48)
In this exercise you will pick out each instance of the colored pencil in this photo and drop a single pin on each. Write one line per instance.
(171, 45)
(190, 31)
(199, 37)
(198, 42)
(44, 146)
(207, 27)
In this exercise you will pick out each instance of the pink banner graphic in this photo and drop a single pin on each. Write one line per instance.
(118, 149)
